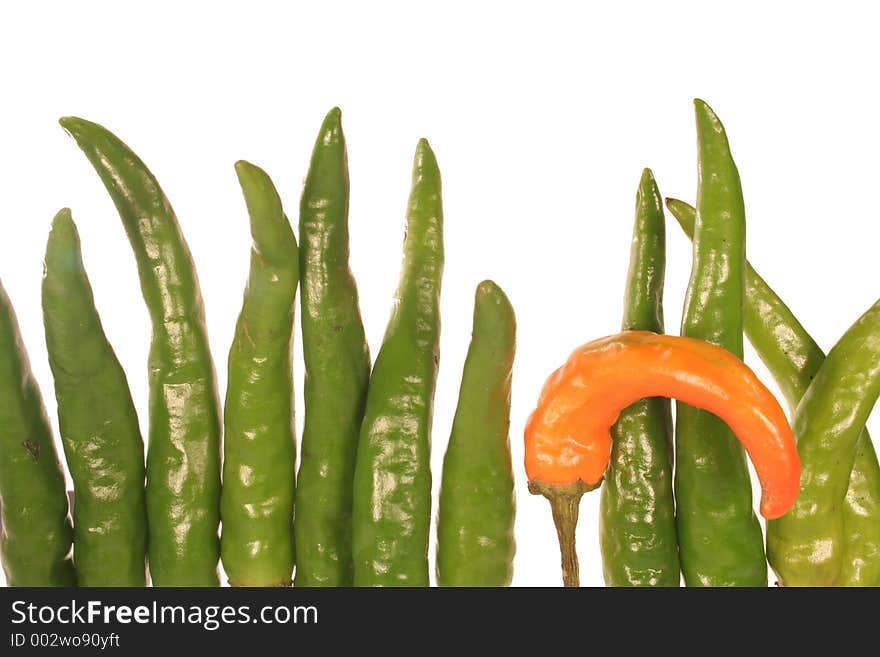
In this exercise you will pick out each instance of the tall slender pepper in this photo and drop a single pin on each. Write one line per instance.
(806, 547)
(720, 540)
(183, 454)
(99, 424)
(259, 465)
(392, 480)
(337, 364)
(794, 358)
(637, 511)
(36, 537)
(475, 543)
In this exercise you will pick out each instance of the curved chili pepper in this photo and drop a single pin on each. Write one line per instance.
(392, 478)
(183, 452)
(637, 534)
(98, 422)
(337, 367)
(806, 546)
(568, 440)
(794, 358)
(259, 448)
(719, 535)
(36, 536)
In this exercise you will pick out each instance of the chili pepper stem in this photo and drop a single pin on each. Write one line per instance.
(565, 502)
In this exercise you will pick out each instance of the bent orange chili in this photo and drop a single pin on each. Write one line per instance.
(568, 440)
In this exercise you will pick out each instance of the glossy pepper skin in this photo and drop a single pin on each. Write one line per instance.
(337, 364)
(259, 465)
(98, 422)
(568, 435)
(392, 480)
(183, 454)
(637, 531)
(720, 540)
(806, 547)
(37, 535)
(475, 542)
(794, 358)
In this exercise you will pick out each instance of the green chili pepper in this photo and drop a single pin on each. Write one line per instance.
(99, 425)
(720, 541)
(183, 456)
(475, 543)
(259, 465)
(637, 510)
(806, 546)
(36, 537)
(794, 358)
(392, 480)
(337, 363)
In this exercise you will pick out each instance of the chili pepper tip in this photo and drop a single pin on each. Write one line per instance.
(72, 124)
(331, 128)
(62, 222)
(488, 288)
(425, 164)
(684, 214)
(707, 122)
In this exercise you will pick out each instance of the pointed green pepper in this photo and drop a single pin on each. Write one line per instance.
(637, 532)
(475, 542)
(183, 453)
(720, 539)
(392, 479)
(98, 422)
(259, 465)
(337, 364)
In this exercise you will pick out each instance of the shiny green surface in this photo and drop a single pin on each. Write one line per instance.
(36, 538)
(259, 447)
(337, 364)
(807, 546)
(475, 542)
(794, 358)
(392, 481)
(183, 454)
(98, 422)
(637, 533)
(720, 540)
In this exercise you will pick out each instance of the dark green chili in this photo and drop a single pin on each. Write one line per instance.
(637, 511)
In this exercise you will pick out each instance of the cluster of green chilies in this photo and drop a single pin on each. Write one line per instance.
(359, 509)
(702, 523)
(675, 501)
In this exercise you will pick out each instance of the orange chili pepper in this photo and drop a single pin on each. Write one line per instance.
(568, 440)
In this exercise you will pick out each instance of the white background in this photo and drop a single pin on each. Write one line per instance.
(542, 117)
